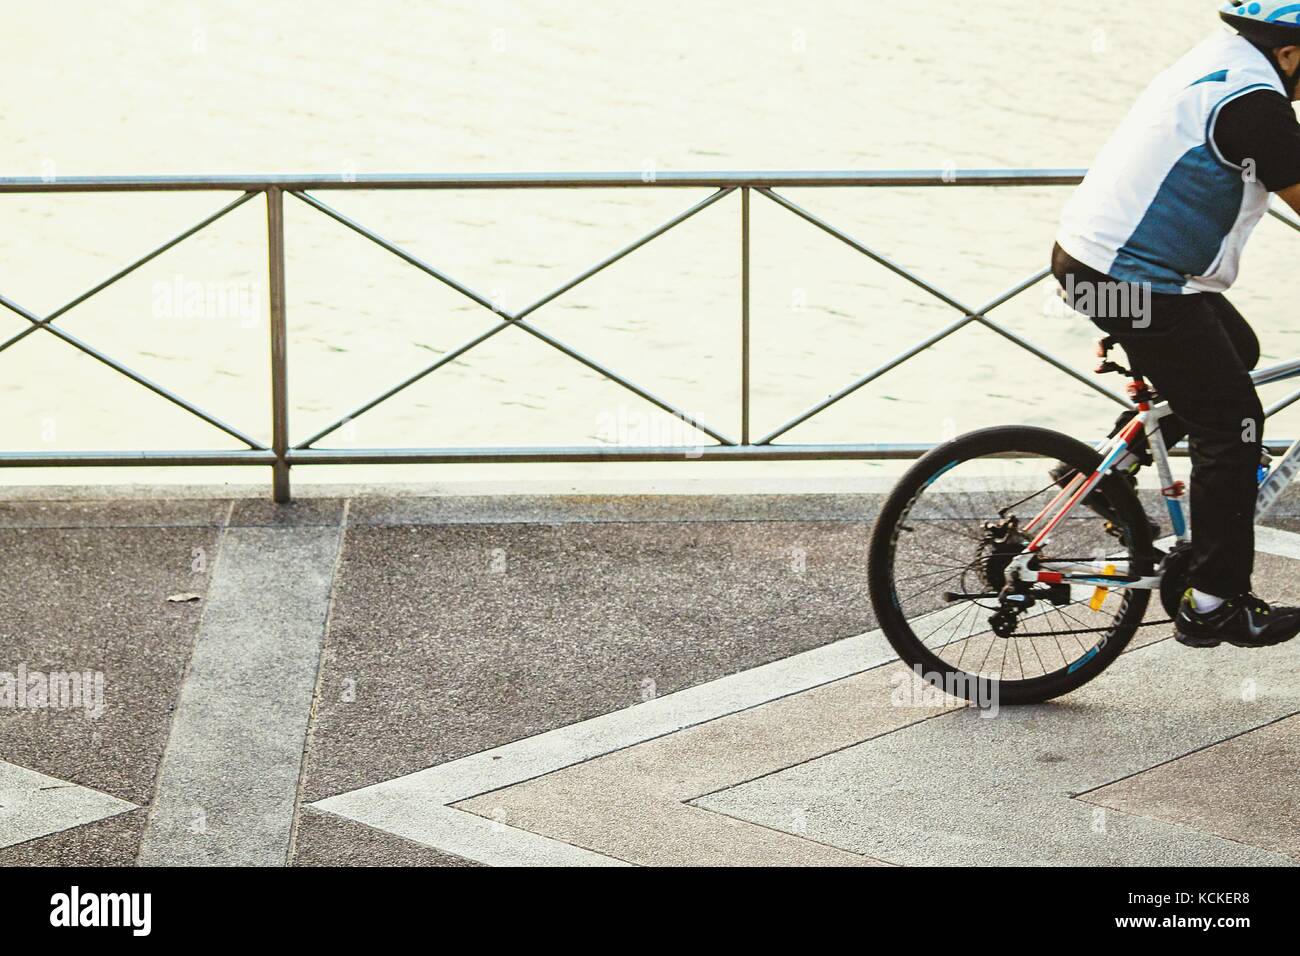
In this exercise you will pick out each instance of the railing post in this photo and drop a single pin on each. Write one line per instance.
(279, 335)
(744, 315)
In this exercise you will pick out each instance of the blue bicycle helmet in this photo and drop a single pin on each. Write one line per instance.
(1267, 24)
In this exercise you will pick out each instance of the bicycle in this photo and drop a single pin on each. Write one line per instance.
(992, 590)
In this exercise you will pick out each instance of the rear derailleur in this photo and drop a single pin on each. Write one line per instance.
(1005, 542)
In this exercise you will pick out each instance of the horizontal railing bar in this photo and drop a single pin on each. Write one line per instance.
(595, 453)
(446, 456)
(42, 459)
(757, 179)
(451, 456)
(390, 456)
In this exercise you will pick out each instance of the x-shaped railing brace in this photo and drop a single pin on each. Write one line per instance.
(516, 319)
(47, 324)
(968, 316)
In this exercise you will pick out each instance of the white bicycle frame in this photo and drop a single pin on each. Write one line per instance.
(1029, 567)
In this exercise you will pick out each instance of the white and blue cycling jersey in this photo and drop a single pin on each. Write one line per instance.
(1161, 205)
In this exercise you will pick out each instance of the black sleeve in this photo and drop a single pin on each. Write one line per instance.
(1260, 129)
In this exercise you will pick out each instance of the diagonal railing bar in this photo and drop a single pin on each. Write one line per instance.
(1010, 294)
(1052, 360)
(870, 253)
(517, 319)
(627, 250)
(1282, 405)
(411, 380)
(398, 251)
(126, 271)
(866, 379)
(136, 377)
(969, 316)
(1290, 220)
(1024, 285)
(613, 376)
(912, 352)
(944, 297)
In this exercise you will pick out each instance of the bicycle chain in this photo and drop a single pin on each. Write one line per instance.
(1090, 630)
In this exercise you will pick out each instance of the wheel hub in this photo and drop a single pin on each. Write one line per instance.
(1003, 543)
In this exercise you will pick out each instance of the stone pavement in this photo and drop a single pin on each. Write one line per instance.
(373, 679)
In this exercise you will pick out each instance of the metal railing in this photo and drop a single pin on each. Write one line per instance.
(282, 453)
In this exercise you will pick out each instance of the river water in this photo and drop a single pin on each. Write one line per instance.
(345, 88)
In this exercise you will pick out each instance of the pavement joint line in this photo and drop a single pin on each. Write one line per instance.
(1155, 816)
(1178, 824)
(316, 689)
(112, 527)
(957, 706)
(639, 801)
(775, 830)
(229, 776)
(851, 798)
(1083, 794)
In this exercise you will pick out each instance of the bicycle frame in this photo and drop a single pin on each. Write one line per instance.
(1028, 568)
(1288, 469)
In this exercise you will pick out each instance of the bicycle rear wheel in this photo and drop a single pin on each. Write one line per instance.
(941, 545)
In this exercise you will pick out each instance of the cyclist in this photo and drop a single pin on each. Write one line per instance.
(1147, 246)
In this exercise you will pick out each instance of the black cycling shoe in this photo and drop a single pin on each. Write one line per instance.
(1096, 502)
(1242, 622)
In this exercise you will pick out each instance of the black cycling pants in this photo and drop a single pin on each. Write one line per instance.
(1197, 350)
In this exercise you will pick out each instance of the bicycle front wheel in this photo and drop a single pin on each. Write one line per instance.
(940, 551)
